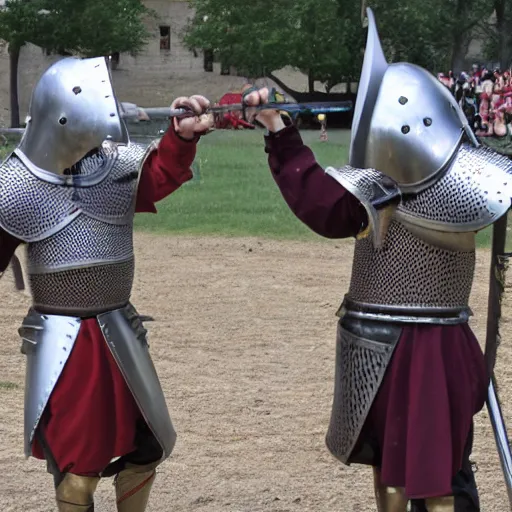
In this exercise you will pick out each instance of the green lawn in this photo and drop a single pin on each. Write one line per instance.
(234, 194)
(4, 151)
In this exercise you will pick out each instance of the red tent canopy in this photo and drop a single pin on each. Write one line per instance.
(232, 120)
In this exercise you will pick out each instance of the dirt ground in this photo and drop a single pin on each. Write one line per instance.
(243, 341)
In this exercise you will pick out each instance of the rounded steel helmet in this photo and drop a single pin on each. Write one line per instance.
(73, 110)
(406, 122)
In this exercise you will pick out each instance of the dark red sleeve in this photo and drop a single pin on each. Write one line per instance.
(8, 244)
(165, 170)
(313, 196)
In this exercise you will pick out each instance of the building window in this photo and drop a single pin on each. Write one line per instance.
(208, 60)
(165, 37)
(225, 69)
(114, 60)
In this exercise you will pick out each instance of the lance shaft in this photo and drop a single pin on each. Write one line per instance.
(499, 236)
(496, 285)
(311, 108)
(299, 108)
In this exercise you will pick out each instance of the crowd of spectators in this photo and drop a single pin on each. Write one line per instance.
(486, 98)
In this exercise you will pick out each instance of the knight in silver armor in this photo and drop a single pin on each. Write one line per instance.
(410, 374)
(69, 192)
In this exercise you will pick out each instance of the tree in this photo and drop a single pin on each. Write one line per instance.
(408, 32)
(328, 45)
(325, 39)
(17, 22)
(460, 19)
(88, 28)
(435, 36)
(498, 34)
(260, 37)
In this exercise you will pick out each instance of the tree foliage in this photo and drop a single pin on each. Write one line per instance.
(89, 28)
(79, 27)
(260, 37)
(434, 35)
(325, 39)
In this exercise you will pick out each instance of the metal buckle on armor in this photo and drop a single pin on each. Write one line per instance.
(364, 233)
(31, 326)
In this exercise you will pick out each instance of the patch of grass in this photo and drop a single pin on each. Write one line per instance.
(484, 238)
(236, 194)
(5, 150)
(8, 385)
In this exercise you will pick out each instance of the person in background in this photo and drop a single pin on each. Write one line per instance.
(323, 127)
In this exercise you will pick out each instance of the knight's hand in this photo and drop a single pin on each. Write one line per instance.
(270, 119)
(198, 124)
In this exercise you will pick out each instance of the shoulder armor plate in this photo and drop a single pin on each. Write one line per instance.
(378, 194)
(475, 192)
(32, 209)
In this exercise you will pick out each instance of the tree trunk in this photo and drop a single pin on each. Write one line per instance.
(311, 83)
(459, 52)
(14, 58)
(462, 34)
(503, 33)
(281, 84)
(338, 119)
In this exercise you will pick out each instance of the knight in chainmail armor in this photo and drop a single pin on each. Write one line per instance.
(410, 374)
(94, 406)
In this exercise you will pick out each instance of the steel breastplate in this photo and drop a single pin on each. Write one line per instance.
(409, 280)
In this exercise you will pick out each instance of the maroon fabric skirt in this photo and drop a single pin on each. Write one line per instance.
(421, 417)
(91, 416)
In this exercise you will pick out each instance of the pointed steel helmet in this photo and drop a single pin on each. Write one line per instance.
(73, 110)
(406, 123)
